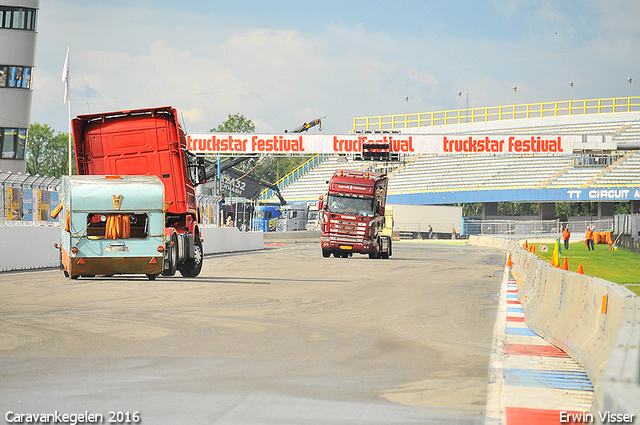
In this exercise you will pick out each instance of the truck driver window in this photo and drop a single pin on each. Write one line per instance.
(349, 205)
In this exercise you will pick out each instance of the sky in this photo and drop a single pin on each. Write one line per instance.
(284, 63)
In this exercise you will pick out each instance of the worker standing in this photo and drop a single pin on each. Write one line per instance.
(565, 237)
(589, 239)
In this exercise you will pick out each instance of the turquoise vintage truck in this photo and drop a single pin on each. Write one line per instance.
(112, 225)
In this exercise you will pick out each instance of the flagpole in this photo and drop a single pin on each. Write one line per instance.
(69, 108)
(65, 80)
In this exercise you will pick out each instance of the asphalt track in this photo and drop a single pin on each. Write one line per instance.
(280, 336)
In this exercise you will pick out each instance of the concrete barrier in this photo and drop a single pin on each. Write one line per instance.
(595, 321)
(28, 247)
(219, 240)
(302, 236)
(31, 247)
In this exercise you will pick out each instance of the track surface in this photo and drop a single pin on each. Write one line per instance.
(281, 336)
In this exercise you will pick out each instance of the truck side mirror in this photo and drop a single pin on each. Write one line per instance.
(320, 204)
(202, 174)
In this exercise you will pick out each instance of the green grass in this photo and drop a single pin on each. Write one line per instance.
(620, 266)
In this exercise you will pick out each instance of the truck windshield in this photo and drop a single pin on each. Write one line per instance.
(347, 205)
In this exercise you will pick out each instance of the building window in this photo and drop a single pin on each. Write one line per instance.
(15, 76)
(13, 142)
(18, 18)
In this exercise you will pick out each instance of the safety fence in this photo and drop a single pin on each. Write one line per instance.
(28, 200)
(628, 224)
(627, 231)
(497, 113)
(533, 228)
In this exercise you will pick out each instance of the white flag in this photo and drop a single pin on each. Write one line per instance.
(65, 76)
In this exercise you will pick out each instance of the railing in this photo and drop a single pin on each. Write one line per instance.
(536, 228)
(628, 224)
(293, 176)
(497, 113)
(27, 200)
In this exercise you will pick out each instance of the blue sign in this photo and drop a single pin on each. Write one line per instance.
(550, 194)
(27, 205)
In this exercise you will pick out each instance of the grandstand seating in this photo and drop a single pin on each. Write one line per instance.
(435, 173)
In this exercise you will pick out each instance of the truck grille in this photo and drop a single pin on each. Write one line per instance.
(348, 231)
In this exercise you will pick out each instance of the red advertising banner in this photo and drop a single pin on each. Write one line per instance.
(291, 143)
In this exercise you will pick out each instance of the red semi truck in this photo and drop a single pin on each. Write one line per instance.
(354, 215)
(149, 142)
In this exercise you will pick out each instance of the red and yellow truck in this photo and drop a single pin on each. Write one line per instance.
(353, 218)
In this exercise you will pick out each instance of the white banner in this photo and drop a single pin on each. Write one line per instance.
(291, 143)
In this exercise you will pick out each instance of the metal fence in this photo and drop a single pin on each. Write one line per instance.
(535, 228)
(628, 225)
(28, 200)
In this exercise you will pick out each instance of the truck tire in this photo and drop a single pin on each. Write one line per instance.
(326, 253)
(193, 266)
(172, 257)
(387, 254)
(376, 253)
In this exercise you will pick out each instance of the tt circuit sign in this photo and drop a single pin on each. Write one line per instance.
(230, 143)
(547, 194)
(599, 194)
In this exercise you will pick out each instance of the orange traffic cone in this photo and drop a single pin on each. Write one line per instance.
(525, 244)
(565, 266)
(533, 247)
(509, 263)
(580, 271)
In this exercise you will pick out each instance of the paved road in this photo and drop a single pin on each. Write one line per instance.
(281, 336)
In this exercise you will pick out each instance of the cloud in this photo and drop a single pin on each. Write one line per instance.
(282, 74)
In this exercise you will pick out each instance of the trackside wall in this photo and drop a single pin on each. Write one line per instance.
(31, 247)
(595, 321)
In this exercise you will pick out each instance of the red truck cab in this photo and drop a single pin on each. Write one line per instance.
(354, 215)
(149, 142)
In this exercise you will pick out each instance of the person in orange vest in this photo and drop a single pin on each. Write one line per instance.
(565, 237)
(589, 239)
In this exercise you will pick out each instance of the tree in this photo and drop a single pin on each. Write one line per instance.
(236, 123)
(47, 153)
(273, 167)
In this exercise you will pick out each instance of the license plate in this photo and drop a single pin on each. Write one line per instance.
(346, 247)
(116, 249)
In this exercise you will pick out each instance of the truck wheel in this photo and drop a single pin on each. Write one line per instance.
(151, 276)
(386, 255)
(172, 257)
(326, 253)
(193, 267)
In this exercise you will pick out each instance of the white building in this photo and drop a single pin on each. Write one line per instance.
(18, 33)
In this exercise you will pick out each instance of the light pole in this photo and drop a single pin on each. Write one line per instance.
(629, 81)
(571, 85)
(571, 97)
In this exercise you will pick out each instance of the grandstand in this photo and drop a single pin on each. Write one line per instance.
(455, 178)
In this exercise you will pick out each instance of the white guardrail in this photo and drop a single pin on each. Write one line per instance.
(595, 321)
(31, 247)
